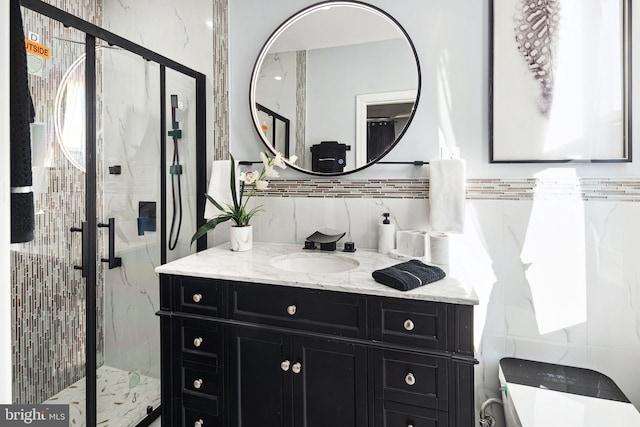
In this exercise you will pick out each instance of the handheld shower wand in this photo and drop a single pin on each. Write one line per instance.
(175, 170)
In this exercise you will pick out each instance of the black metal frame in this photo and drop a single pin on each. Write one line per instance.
(287, 127)
(92, 33)
(626, 101)
(256, 71)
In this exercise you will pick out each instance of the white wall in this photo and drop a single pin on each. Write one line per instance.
(5, 214)
(558, 277)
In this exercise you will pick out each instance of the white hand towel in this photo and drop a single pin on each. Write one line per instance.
(220, 187)
(447, 195)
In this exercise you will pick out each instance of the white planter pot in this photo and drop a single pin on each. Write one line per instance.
(241, 238)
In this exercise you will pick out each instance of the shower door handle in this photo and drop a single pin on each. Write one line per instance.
(85, 245)
(112, 259)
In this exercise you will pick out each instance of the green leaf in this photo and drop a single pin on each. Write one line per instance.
(234, 196)
(210, 225)
(251, 213)
(216, 204)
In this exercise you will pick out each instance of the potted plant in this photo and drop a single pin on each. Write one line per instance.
(241, 232)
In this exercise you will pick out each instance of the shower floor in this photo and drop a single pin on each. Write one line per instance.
(123, 398)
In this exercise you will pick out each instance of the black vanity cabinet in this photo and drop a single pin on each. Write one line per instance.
(243, 354)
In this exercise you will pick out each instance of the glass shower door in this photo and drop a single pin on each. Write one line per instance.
(48, 290)
(129, 241)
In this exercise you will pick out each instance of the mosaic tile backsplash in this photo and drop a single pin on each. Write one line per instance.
(611, 189)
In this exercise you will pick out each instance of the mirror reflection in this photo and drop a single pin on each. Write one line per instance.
(336, 85)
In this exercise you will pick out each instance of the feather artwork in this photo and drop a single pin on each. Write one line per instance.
(536, 31)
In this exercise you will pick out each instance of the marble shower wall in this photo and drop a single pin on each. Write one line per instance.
(554, 262)
(132, 135)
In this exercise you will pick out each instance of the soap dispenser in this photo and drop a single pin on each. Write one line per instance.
(386, 235)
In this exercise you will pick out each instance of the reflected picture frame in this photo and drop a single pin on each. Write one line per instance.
(559, 91)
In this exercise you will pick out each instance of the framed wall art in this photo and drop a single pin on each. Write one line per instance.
(559, 81)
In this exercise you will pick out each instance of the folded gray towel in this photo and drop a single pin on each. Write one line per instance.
(408, 275)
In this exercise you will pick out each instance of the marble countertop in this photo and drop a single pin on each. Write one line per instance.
(254, 266)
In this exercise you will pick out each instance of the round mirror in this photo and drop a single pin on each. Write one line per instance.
(336, 85)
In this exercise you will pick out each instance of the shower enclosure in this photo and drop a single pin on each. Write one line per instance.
(119, 175)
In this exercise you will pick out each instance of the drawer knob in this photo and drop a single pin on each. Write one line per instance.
(408, 325)
(409, 425)
(285, 365)
(296, 368)
(197, 383)
(410, 379)
(197, 298)
(200, 423)
(198, 342)
(291, 310)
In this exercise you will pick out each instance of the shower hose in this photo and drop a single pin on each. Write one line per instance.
(175, 170)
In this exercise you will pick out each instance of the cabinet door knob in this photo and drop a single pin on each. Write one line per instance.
(200, 423)
(197, 383)
(291, 310)
(409, 425)
(410, 379)
(408, 325)
(296, 368)
(198, 342)
(285, 365)
(197, 297)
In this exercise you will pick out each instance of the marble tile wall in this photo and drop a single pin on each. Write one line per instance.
(556, 270)
(132, 129)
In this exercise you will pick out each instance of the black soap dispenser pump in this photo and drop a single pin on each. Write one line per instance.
(386, 235)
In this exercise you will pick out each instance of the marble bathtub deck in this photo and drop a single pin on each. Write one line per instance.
(123, 398)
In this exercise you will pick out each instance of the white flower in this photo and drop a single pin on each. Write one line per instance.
(270, 172)
(265, 159)
(262, 185)
(278, 160)
(293, 159)
(249, 177)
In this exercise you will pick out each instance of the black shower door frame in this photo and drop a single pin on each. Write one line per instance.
(89, 256)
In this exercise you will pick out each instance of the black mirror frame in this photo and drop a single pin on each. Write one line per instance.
(280, 29)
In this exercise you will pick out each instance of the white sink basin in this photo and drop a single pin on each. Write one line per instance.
(314, 263)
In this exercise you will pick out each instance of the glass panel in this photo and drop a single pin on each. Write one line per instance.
(48, 293)
(128, 377)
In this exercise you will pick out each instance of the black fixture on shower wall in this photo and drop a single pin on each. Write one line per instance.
(90, 225)
(176, 171)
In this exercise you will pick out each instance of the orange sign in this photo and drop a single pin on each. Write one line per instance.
(37, 49)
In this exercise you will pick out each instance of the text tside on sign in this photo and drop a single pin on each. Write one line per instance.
(37, 49)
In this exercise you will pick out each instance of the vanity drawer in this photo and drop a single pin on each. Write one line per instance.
(200, 296)
(327, 312)
(415, 323)
(202, 341)
(201, 418)
(395, 414)
(411, 378)
(201, 382)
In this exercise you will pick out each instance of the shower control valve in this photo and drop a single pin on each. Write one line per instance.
(197, 342)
